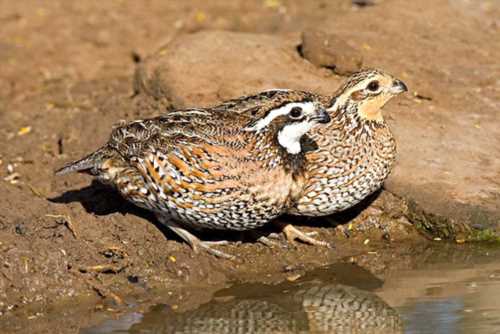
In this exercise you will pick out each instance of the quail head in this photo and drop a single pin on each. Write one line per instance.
(203, 168)
(353, 154)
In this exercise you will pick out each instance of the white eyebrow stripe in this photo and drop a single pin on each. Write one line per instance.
(308, 108)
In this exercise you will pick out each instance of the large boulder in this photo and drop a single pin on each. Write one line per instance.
(210, 66)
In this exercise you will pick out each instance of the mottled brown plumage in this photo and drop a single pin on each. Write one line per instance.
(355, 151)
(206, 168)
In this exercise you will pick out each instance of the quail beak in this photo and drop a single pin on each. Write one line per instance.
(398, 87)
(323, 116)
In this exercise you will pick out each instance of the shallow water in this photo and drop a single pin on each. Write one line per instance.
(451, 290)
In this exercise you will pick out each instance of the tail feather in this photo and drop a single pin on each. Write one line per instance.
(88, 164)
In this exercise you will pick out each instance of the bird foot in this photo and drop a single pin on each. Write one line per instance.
(292, 234)
(195, 243)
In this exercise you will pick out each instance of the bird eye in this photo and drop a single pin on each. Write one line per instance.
(296, 112)
(373, 86)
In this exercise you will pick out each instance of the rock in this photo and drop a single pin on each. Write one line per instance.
(210, 66)
(328, 50)
(20, 229)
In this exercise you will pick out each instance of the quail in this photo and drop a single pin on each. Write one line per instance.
(354, 153)
(204, 168)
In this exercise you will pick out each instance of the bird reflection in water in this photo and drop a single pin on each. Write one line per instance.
(304, 308)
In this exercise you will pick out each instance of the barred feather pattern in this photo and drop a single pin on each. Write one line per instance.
(202, 167)
(353, 160)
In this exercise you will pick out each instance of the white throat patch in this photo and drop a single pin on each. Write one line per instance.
(308, 108)
(289, 136)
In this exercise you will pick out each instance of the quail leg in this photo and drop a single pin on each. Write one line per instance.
(193, 241)
(292, 233)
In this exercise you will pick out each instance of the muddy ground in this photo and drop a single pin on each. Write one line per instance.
(67, 75)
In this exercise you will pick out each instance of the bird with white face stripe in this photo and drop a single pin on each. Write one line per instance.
(353, 154)
(203, 168)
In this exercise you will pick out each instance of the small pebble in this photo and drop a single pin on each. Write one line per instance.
(293, 278)
(13, 178)
(20, 229)
(10, 168)
(133, 279)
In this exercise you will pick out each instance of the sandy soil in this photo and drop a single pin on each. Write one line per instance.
(67, 77)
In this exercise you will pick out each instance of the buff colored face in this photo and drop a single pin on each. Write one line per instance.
(373, 92)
